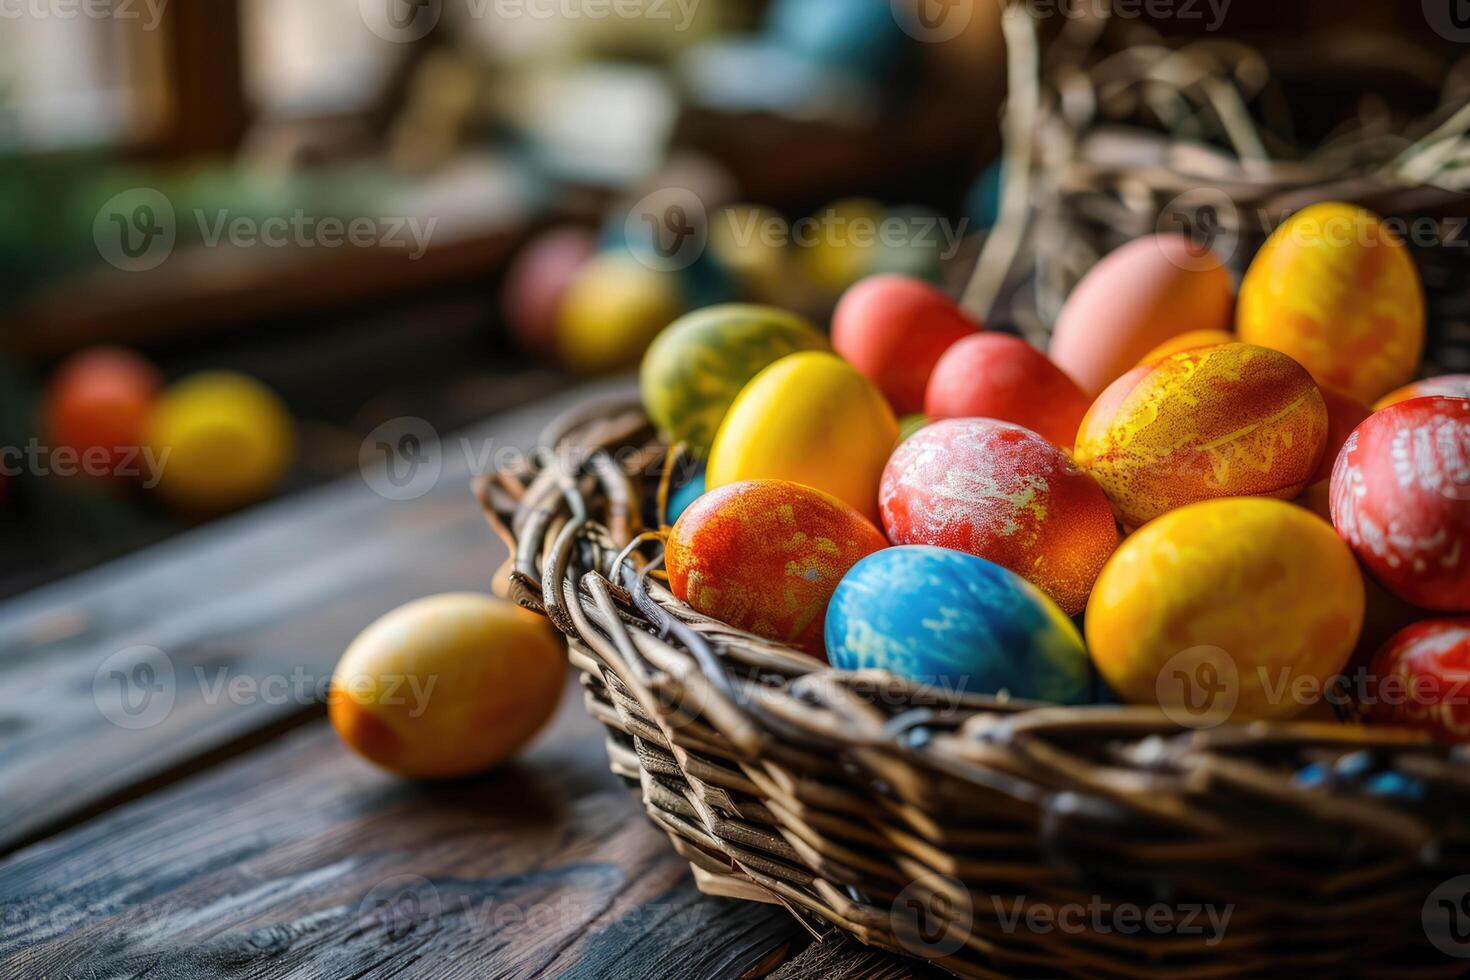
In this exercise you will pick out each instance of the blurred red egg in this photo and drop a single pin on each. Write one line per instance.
(1421, 679)
(1004, 493)
(536, 281)
(1401, 499)
(894, 329)
(997, 376)
(98, 406)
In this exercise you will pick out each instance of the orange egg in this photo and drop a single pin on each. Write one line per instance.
(1188, 341)
(1144, 293)
(1228, 421)
(1336, 290)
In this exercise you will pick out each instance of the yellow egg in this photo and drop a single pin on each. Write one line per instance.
(223, 440)
(611, 312)
(1336, 290)
(751, 243)
(839, 243)
(812, 419)
(447, 686)
(1188, 341)
(1243, 606)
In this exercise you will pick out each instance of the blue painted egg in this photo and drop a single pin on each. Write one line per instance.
(957, 622)
(684, 494)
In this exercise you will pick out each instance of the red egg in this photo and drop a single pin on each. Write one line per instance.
(997, 376)
(894, 329)
(1421, 678)
(536, 282)
(766, 555)
(1344, 413)
(1004, 493)
(1401, 499)
(97, 406)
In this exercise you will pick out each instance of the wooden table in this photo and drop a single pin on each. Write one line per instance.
(173, 803)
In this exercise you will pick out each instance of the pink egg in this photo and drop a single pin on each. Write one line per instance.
(1139, 296)
(536, 281)
(1401, 499)
(894, 329)
(997, 376)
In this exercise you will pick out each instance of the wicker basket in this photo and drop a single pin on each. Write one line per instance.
(991, 837)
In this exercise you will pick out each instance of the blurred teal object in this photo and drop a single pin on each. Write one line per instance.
(861, 35)
(685, 494)
(983, 203)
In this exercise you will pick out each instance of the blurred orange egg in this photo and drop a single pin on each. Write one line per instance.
(97, 406)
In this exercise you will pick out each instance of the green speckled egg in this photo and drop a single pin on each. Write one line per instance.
(700, 362)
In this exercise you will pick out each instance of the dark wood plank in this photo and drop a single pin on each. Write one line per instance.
(267, 601)
(301, 861)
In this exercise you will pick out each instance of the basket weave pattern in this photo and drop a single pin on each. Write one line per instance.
(956, 827)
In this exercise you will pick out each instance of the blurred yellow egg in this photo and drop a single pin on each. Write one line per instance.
(839, 243)
(1336, 290)
(611, 312)
(751, 243)
(223, 440)
(812, 419)
(447, 686)
(1244, 607)
(1188, 341)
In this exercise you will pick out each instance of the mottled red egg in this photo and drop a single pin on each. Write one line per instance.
(1401, 498)
(1421, 678)
(894, 329)
(1001, 492)
(766, 555)
(996, 376)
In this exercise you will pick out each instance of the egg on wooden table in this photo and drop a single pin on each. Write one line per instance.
(810, 418)
(1245, 607)
(1401, 498)
(1337, 291)
(1227, 421)
(447, 686)
(997, 376)
(698, 364)
(1421, 679)
(611, 312)
(765, 556)
(1003, 493)
(957, 622)
(1140, 295)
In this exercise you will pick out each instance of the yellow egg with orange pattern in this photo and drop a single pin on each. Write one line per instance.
(1243, 608)
(1233, 420)
(1188, 341)
(1335, 289)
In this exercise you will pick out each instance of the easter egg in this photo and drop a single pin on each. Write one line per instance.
(765, 556)
(1228, 421)
(810, 418)
(1242, 606)
(224, 440)
(1188, 341)
(698, 364)
(893, 329)
(1447, 385)
(838, 244)
(1140, 295)
(997, 376)
(1333, 288)
(1003, 493)
(751, 242)
(447, 686)
(1401, 498)
(611, 312)
(1421, 679)
(957, 622)
(684, 494)
(538, 279)
(97, 407)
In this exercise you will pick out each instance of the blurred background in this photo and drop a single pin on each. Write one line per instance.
(236, 236)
